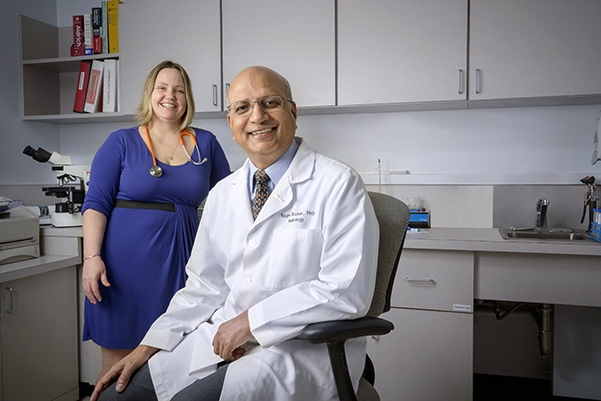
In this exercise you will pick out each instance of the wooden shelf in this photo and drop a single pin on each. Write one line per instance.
(66, 64)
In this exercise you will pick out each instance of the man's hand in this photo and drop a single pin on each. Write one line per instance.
(230, 336)
(122, 370)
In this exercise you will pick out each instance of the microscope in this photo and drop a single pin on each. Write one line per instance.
(72, 185)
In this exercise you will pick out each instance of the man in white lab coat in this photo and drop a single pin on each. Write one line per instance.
(254, 284)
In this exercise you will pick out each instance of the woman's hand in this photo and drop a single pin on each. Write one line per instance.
(94, 271)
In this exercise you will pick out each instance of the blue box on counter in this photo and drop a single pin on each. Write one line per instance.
(419, 219)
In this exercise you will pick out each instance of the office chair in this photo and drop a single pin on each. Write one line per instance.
(393, 217)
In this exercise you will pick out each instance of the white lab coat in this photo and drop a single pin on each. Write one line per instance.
(310, 256)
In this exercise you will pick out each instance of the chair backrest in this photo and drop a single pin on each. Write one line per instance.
(393, 217)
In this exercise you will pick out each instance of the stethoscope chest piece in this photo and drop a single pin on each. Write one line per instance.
(156, 171)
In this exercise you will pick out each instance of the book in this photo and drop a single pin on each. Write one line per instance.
(97, 45)
(109, 94)
(100, 110)
(94, 87)
(96, 20)
(97, 29)
(104, 29)
(82, 86)
(87, 34)
(78, 47)
(118, 91)
(112, 19)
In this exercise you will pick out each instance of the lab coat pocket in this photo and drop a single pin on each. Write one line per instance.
(295, 257)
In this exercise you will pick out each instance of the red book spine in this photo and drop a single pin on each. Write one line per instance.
(82, 86)
(78, 38)
(97, 44)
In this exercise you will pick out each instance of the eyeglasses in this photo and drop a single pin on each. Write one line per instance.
(267, 104)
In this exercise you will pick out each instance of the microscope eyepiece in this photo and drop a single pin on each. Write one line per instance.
(39, 155)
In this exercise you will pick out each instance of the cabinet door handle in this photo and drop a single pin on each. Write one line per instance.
(215, 95)
(227, 89)
(419, 280)
(12, 300)
(461, 81)
(478, 77)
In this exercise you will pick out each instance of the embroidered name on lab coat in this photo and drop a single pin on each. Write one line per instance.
(297, 217)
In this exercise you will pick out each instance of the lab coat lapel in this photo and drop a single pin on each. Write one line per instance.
(300, 169)
(241, 196)
(278, 200)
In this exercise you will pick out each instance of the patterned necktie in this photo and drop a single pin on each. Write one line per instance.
(261, 192)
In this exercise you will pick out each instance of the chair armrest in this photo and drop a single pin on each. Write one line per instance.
(334, 333)
(342, 330)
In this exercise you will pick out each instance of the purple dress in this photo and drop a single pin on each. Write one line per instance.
(145, 250)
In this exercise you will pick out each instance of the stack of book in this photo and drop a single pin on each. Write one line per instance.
(97, 86)
(98, 31)
(97, 82)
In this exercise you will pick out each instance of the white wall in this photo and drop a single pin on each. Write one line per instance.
(15, 167)
(521, 145)
(492, 146)
(485, 146)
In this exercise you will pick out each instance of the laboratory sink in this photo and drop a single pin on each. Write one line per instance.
(557, 234)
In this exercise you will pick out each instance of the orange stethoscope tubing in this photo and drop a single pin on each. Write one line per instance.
(157, 171)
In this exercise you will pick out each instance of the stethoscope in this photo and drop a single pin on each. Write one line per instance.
(157, 171)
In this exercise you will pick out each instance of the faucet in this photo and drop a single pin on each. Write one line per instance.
(541, 213)
(590, 199)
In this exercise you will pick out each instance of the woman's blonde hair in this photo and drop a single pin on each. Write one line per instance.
(145, 113)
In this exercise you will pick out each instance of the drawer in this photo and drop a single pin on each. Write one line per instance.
(436, 280)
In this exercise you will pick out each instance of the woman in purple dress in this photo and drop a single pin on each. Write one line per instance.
(140, 213)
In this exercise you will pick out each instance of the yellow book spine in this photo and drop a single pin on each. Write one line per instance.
(112, 14)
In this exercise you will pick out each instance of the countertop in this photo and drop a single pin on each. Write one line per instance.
(490, 240)
(61, 231)
(457, 239)
(453, 239)
(30, 267)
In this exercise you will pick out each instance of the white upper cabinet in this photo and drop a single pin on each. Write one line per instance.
(523, 49)
(339, 55)
(184, 31)
(402, 51)
(295, 38)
